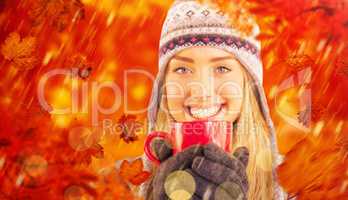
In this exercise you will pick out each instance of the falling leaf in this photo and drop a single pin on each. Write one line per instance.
(129, 126)
(41, 9)
(133, 171)
(140, 178)
(97, 151)
(85, 157)
(304, 117)
(317, 162)
(60, 13)
(81, 63)
(84, 73)
(299, 62)
(82, 138)
(20, 51)
(313, 112)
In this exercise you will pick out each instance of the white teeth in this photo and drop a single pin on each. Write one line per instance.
(204, 112)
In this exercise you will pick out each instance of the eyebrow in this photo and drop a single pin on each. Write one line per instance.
(190, 60)
(221, 58)
(185, 59)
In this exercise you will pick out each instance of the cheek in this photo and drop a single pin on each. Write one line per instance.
(175, 94)
(230, 89)
(232, 93)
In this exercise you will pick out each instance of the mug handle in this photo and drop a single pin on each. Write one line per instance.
(147, 147)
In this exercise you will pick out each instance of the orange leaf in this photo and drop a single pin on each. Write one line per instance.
(58, 13)
(97, 151)
(140, 178)
(133, 171)
(129, 170)
(20, 52)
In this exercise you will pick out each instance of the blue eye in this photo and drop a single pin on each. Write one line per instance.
(223, 69)
(182, 70)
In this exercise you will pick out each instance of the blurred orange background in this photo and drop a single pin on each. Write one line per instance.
(45, 154)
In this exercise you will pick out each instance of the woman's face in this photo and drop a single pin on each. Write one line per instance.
(204, 83)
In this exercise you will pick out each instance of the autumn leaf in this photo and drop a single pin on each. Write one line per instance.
(97, 151)
(20, 51)
(129, 127)
(85, 157)
(129, 170)
(133, 171)
(85, 72)
(315, 168)
(312, 113)
(304, 116)
(41, 9)
(82, 64)
(59, 12)
(299, 62)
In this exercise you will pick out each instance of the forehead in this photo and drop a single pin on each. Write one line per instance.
(203, 53)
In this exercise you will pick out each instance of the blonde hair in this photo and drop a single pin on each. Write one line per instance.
(252, 132)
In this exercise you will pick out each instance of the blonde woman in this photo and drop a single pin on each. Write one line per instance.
(211, 70)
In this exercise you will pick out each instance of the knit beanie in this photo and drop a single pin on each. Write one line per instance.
(190, 23)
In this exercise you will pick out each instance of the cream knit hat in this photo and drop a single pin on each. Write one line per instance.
(190, 23)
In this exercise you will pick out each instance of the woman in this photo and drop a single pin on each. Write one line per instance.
(211, 70)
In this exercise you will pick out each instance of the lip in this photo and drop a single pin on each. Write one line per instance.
(210, 117)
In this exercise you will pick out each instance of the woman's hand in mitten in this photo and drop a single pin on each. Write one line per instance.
(169, 164)
(161, 149)
(219, 175)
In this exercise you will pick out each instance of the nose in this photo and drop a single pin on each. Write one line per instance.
(202, 84)
(202, 87)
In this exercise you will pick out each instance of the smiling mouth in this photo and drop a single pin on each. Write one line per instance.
(206, 112)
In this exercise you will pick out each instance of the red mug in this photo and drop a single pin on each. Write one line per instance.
(186, 134)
